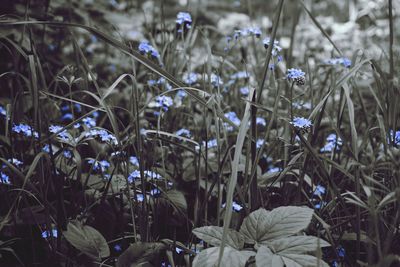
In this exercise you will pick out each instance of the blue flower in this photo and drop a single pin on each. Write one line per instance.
(232, 117)
(155, 192)
(319, 190)
(301, 123)
(178, 250)
(235, 206)
(46, 148)
(117, 247)
(275, 49)
(133, 175)
(89, 122)
(240, 75)
(255, 31)
(190, 78)
(140, 197)
(78, 107)
(259, 143)
(134, 160)
(5, 179)
(261, 121)
(341, 252)
(183, 132)
(67, 117)
(184, 18)
(164, 101)
(319, 205)
(3, 111)
(296, 75)
(216, 80)
(48, 234)
(244, 90)
(274, 170)
(153, 175)
(101, 165)
(67, 154)
(103, 135)
(147, 49)
(25, 130)
(394, 135)
(332, 142)
(302, 105)
(339, 61)
(60, 132)
(15, 162)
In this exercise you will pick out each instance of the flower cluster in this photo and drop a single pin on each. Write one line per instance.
(183, 21)
(297, 76)
(394, 135)
(25, 130)
(332, 142)
(101, 165)
(103, 135)
(344, 61)
(301, 123)
(183, 132)
(190, 78)
(62, 134)
(146, 49)
(161, 82)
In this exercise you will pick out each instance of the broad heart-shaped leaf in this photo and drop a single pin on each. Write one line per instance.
(213, 236)
(177, 199)
(140, 253)
(262, 226)
(231, 257)
(265, 258)
(297, 244)
(87, 239)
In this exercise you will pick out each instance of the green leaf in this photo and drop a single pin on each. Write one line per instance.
(262, 226)
(230, 258)
(298, 244)
(140, 253)
(213, 236)
(177, 199)
(265, 258)
(87, 239)
(296, 260)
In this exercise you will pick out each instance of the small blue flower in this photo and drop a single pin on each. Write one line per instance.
(301, 123)
(147, 49)
(178, 250)
(255, 31)
(164, 101)
(261, 121)
(394, 135)
(183, 132)
(240, 75)
(216, 80)
(62, 134)
(190, 78)
(341, 252)
(15, 162)
(3, 111)
(319, 191)
(78, 107)
(233, 117)
(48, 234)
(46, 148)
(25, 130)
(244, 90)
(5, 179)
(133, 175)
(184, 18)
(139, 197)
(275, 49)
(259, 143)
(67, 154)
(89, 122)
(332, 142)
(134, 160)
(101, 165)
(153, 175)
(155, 192)
(235, 206)
(296, 75)
(274, 170)
(117, 247)
(67, 117)
(103, 135)
(339, 61)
